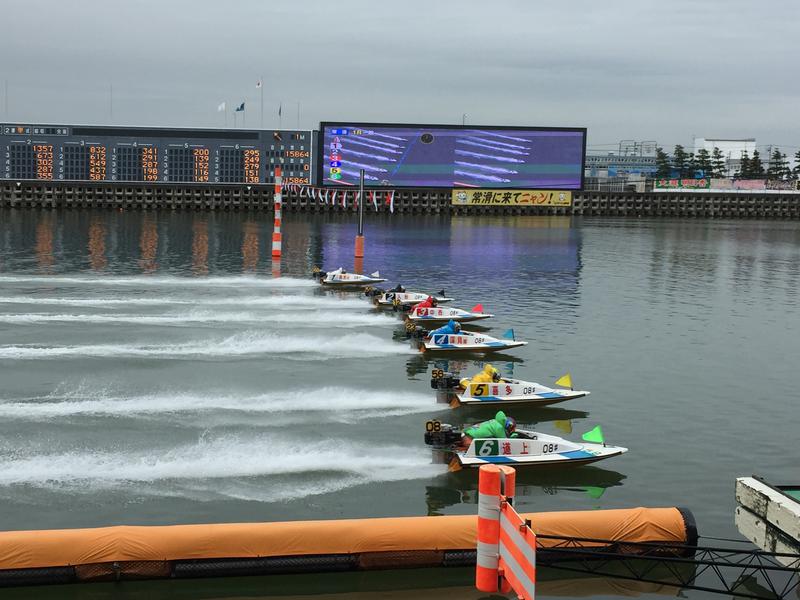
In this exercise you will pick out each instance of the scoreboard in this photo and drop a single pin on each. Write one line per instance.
(147, 154)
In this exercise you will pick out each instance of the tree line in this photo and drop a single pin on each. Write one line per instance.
(712, 164)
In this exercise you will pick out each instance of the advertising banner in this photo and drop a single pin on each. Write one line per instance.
(474, 197)
(666, 183)
(749, 184)
(773, 184)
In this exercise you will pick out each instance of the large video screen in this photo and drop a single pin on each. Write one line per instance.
(447, 156)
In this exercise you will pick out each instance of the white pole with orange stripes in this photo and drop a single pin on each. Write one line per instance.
(506, 544)
(277, 201)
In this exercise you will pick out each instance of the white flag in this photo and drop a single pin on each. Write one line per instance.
(221, 107)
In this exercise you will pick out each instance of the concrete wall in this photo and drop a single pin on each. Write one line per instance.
(259, 197)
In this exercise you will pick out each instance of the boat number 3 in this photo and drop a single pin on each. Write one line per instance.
(437, 374)
(433, 426)
(546, 448)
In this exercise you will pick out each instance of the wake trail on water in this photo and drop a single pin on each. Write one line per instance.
(327, 400)
(217, 466)
(243, 344)
(193, 318)
(294, 302)
(163, 281)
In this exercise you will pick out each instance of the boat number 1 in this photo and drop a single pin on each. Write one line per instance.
(433, 426)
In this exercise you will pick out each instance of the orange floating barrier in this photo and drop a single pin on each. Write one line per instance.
(135, 552)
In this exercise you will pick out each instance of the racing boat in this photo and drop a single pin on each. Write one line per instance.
(469, 341)
(403, 300)
(506, 391)
(421, 314)
(530, 448)
(340, 278)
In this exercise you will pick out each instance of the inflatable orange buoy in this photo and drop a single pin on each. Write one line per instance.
(126, 552)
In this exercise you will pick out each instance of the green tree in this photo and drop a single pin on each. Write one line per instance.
(756, 166)
(662, 163)
(680, 160)
(796, 170)
(703, 162)
(745, 171)
(691, 165)
(778, 165)
(718, 166)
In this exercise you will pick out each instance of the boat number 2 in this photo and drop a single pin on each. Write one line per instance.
(547, 448)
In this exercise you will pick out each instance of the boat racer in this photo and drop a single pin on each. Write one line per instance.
(488, 375)
(452, 327)
(429, 302)
(499, 427)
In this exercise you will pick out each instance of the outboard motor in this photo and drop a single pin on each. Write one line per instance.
(371, 292)
(441, 435)
(414, 331)
(442, 380)
(318, 273)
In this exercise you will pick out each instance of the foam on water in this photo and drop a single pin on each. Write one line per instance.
(162, 281)
(243, 344)
(293, 302)
(327, 400)
(217, 466)
(308, 318)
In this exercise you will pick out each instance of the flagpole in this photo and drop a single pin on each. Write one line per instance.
(298, 115)
(280, 116)
(225, 111)
(261, 81)
(234, 119)
(244, 117)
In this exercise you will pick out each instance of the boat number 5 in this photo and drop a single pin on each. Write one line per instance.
(433, 426)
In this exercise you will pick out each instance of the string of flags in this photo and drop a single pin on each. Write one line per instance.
(342, 197)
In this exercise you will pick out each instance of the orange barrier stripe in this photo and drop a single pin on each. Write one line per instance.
(522, 561)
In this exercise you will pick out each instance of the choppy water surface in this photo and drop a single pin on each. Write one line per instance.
(160, 368)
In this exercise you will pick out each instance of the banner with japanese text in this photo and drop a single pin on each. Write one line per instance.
(473, 197)
(684, 184)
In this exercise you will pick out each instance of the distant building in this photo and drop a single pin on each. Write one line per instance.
(731, 149)
(615, 170)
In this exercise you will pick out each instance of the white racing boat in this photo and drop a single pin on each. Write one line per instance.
(469, 341)
(421, 314)
(505, 391)
(341, 278)
(403, 299)
(529, 449)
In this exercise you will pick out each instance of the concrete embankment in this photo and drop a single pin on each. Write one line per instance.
(205, 197)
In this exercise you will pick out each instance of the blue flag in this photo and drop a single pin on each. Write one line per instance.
(240, 108)
(509, 334)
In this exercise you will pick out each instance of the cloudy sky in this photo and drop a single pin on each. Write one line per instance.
(626, 69)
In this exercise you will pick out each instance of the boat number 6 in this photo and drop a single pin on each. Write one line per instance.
(433, 426)
(549, 448)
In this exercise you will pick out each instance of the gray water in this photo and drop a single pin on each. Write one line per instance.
(155, 370)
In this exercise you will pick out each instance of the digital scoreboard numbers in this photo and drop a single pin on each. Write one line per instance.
(154, 155)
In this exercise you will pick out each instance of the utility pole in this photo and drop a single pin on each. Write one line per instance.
(6, 99)
(111, 102)
(463, 119)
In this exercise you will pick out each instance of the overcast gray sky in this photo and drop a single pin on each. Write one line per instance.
(626, 69)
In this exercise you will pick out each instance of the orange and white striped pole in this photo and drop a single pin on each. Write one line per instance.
(277, 201)
(506, 544)
(486, 568)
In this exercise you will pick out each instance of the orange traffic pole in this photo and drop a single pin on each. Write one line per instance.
(486, 569)
(277, 201)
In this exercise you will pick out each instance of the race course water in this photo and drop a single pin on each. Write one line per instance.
(160, 368)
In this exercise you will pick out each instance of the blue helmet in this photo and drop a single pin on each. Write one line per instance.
(511, 425)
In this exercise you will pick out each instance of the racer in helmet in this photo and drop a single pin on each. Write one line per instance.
(499, 427)
(429, 302)
(451, 327)
(488, 375)
(398, 289)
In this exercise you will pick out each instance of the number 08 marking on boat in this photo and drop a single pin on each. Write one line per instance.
(433, 426)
